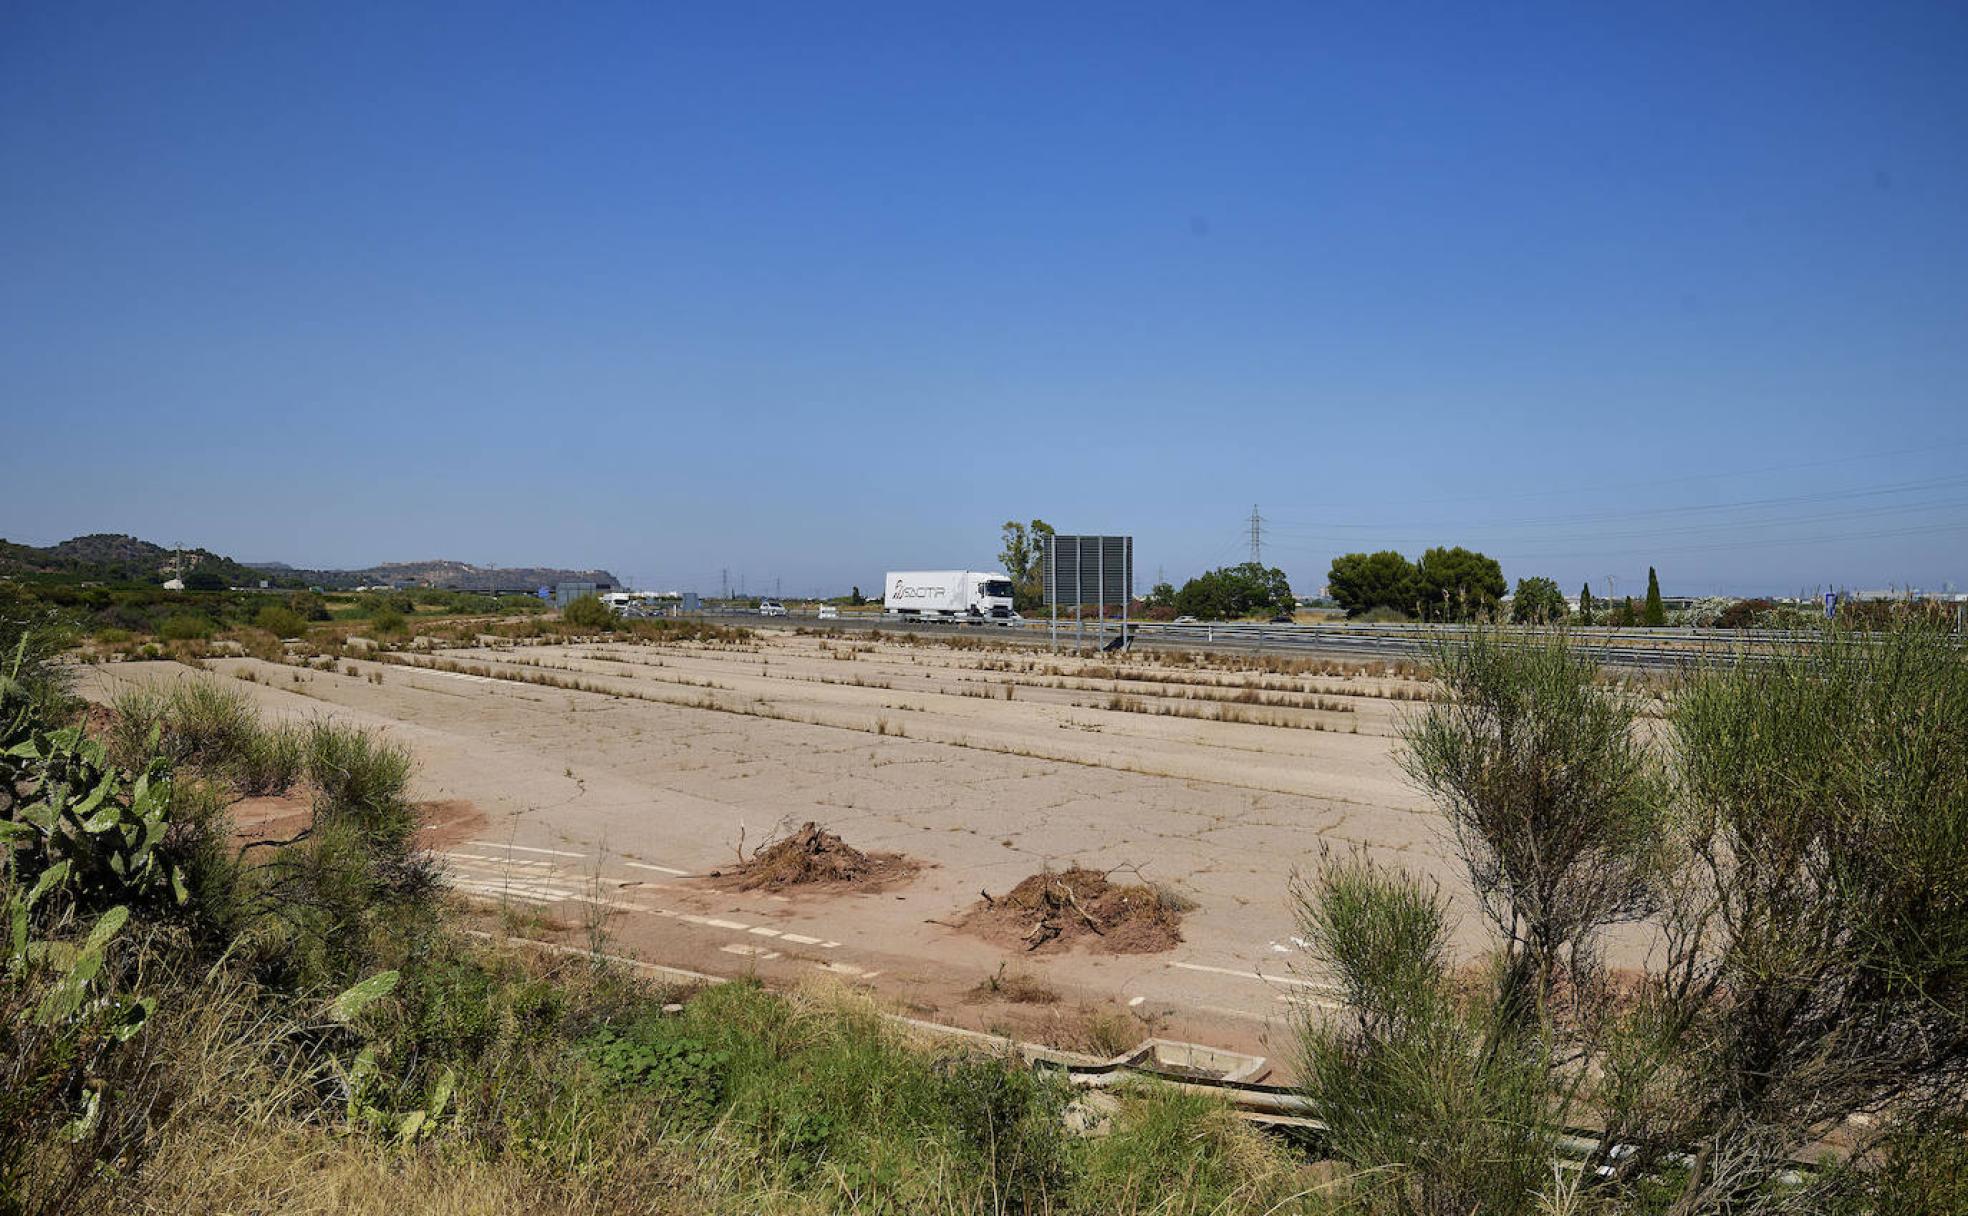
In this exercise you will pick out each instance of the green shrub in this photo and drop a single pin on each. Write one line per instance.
(280, 622)
(361, 779)
(34, 687)
(1173, 1150)
(1440, 1104)
(272, 761)
(386, 620)
(308, 606)
(588, 612)
(691, 1076)
(187, 627)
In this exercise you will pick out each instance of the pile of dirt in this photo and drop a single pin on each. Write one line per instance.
(814, 857)
(1054, 910)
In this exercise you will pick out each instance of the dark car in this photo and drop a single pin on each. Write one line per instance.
(1284, 618)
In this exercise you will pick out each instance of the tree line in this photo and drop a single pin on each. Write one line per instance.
(1461, 585)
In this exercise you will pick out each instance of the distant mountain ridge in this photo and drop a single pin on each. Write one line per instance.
(114, 557)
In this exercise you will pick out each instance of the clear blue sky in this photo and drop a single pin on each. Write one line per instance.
(807, 291)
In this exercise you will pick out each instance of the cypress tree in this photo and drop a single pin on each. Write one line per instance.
(1585, 604)
(1656, 611)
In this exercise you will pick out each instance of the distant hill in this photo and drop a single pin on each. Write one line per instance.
(115, 558)
(455, 576)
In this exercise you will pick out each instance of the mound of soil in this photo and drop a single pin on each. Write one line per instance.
(1052, 911)
(814, 857)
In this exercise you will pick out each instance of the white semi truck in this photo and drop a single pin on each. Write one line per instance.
(949, 595)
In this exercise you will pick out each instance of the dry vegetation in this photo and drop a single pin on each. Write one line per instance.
(1077, 906)
(311, 1032)
(811, 856)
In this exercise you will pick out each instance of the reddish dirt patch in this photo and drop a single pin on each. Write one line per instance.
(270, 818)
(97, 720)
(814, 857)
(277, 817)
(1053, 911)
(442, 822)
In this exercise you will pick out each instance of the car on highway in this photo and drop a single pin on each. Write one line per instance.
(1284, 618)
(771, 608)
(1186, 620)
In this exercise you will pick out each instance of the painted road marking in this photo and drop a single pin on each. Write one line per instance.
(494, 877)
(1227, 1011)
(1296, 999)
(711, 922)
(643, 865)
(494, 891)
(534, 862)
(497, 844)
(1258, 976)
(750, 951)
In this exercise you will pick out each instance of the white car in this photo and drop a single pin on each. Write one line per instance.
(829, 612)
(771, 608)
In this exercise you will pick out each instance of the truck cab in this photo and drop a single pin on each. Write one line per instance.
(992, 598)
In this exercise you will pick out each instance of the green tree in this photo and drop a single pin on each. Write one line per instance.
(1656, 614)
(1458, 584)
(856, 598)
(1537, 602)
(588, 612)
(1235, 591)
(1161, 595)
(1023, 558)
(1585, 604)
(1361, 582)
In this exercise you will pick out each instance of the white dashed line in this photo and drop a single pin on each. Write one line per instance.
(643, 865)
(1258, 976)
(520, 848)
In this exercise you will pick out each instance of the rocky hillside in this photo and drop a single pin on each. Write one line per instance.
(115, 558)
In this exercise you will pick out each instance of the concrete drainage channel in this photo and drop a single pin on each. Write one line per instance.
(1230, 1076)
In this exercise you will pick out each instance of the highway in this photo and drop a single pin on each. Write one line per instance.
(1634, 649)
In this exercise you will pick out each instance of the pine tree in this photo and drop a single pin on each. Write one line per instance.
(1656, 612)
(1585, 604)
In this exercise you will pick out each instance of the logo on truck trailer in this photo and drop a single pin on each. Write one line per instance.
(916, 593)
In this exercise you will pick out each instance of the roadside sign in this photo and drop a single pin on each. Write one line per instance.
(1831, 604)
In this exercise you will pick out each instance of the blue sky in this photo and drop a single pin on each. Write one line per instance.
(809, 291)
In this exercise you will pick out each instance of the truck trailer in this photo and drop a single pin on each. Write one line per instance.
(949, 595)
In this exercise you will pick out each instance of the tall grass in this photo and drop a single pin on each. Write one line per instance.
(206, 727)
